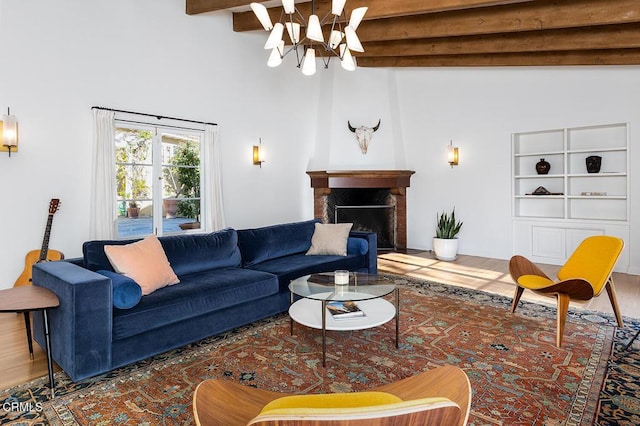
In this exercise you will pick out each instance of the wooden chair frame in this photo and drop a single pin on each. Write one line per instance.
(222, 402)
(564, 290)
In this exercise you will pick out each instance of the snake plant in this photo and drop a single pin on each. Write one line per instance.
(447, 227)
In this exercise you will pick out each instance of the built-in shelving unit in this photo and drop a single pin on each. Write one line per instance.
(579, 203)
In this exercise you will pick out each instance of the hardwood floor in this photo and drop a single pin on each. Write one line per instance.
(492, 275)
(478, 273)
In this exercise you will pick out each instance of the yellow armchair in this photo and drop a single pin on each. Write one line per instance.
(441, 396)
(585, 274)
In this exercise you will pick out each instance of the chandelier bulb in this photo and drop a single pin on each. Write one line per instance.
(309, 62)
(314, 30)
(275, 37)
(337, 6)
(288, 6)
(293, 29)
(263, 15)
(356, 17)
(275, 58)
(346, 60)
(335, 38)
(352, 39)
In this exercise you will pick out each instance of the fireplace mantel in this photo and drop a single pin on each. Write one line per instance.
(361, 178)
(323, 181)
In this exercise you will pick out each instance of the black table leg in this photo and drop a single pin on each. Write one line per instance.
(631, 341)
(397, 303)
(324, 332)
(27, 324)
(49, 360)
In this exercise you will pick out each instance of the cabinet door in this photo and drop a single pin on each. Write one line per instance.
(548, 242)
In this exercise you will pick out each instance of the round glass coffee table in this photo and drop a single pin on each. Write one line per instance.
(316, 291)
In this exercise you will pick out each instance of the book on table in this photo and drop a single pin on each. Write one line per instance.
(344, 310)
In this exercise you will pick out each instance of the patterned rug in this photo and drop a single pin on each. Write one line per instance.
(517, 374)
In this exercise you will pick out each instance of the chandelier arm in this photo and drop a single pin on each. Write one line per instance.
(287, 51)
(326, 63)
(302, 22)
(298, 58)
(324, 20)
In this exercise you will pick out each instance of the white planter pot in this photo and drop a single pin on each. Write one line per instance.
(445, 249)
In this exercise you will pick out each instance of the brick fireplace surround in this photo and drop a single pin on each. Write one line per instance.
(397, 181)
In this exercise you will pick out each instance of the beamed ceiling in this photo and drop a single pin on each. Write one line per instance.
(445, 33)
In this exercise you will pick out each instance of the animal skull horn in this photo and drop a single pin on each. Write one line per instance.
(363, 134)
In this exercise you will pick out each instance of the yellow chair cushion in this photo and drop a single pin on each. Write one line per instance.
(343, 406)
(534, 282)
(593, 261)
(331, 400)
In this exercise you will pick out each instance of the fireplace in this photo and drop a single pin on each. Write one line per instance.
(373, 200)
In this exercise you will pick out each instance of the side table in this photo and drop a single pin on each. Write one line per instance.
(32, 298)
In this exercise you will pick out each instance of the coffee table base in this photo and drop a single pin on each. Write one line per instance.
(313, 313)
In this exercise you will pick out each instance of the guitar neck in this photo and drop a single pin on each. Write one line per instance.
(45, 239)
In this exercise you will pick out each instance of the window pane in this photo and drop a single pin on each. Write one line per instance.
(158, 181)
(134, 180)
(181, 182)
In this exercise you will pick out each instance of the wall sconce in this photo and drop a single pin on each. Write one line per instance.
(257, 154)
(452, 154)
(9, 129)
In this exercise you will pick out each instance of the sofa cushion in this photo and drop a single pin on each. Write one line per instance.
(186, 253)
(126, 292)
(143, 261)
(197, 294)
(271, 242)
(357, 246)
(193, 253)
(330, 238)
(297, 265)
(94, 257)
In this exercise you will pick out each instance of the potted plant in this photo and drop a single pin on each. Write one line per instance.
(445, 243)
(133, 210)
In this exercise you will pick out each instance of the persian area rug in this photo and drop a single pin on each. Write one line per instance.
(517, 374)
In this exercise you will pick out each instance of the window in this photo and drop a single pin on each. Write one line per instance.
(158, 179)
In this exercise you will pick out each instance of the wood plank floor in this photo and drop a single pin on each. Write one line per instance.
(478, 273)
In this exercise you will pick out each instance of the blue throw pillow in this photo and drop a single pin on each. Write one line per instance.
(126, 292)
(357, 246)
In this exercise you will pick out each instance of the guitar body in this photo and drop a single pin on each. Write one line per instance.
(42, 255)
(31, 259)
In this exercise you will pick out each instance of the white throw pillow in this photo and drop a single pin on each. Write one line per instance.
(330, 239)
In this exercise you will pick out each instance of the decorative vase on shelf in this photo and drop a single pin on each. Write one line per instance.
(543, 167)
(593, 163)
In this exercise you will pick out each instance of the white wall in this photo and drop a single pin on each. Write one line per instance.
(149, 56)
(360, 98)
(479, 109)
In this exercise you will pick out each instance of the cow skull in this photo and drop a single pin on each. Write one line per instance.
(363, 135)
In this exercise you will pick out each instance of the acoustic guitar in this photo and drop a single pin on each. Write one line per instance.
(44, 254)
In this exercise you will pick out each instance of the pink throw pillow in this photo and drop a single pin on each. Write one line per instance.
(145, 262)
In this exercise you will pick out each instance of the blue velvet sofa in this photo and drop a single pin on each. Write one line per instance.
(228, 278)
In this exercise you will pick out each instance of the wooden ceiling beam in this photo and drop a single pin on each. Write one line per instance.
(538, 15)
(436, 33)
(573, 58)
(587, 38)
(194, 7)
(378, 9)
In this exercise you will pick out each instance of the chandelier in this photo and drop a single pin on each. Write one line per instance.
(341, 41)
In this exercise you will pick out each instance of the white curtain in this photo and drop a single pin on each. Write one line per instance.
(212, 183)
(103, 181)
